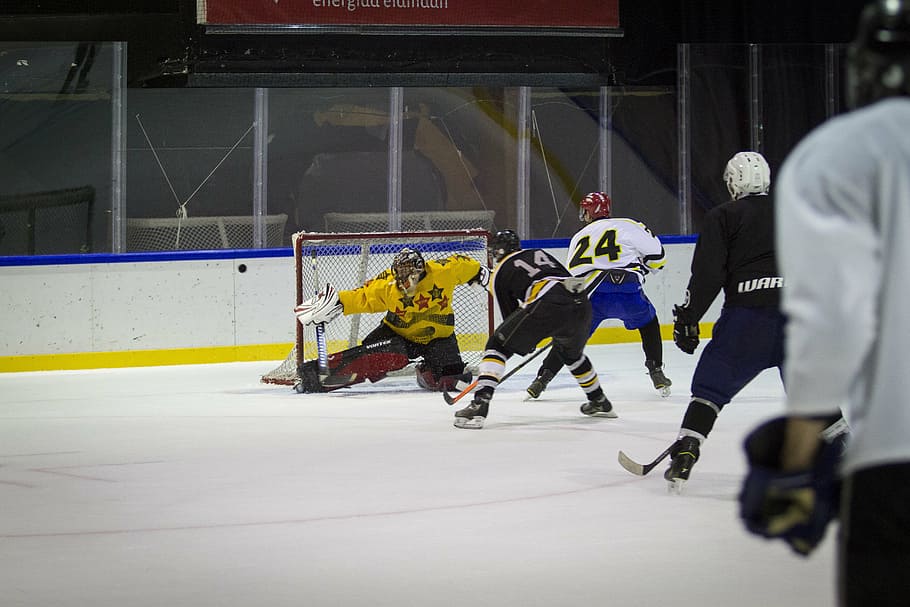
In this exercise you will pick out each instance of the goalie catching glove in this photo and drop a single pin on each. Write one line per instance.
(323, 308)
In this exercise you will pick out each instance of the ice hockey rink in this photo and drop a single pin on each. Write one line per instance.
(197, 486)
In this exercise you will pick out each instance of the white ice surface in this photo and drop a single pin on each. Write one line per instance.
(196, 485)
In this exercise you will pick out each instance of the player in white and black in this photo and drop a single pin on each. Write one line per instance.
(842, 231)
(614, 255)
(735, 253)
(538, 299)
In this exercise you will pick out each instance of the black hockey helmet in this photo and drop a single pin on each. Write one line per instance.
(878, 59)
(503, 243)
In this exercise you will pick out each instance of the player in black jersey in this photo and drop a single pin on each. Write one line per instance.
(538, 299)
(734, 253)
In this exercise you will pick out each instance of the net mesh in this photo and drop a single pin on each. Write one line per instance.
(52, 222)
(410, 221)
(200, 233)
(348, 260)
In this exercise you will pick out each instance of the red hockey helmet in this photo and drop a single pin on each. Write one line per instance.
(597, 205)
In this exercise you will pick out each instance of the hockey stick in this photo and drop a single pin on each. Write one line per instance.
(642, 469)
(454, 399)
(833, 431)
(322, 351)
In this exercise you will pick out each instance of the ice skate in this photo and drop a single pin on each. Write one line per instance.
(473, 416)
(536, 388)
(685, 454)
(599, 407)
(661, 382)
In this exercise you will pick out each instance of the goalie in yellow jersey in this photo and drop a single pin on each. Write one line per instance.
(419, 324)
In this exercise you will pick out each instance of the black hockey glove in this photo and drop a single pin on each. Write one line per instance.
(685, 330)
(795, 507)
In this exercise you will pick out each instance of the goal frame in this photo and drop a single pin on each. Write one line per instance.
(299, 239)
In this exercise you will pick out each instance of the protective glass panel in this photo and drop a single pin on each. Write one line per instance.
(55, 147)
(754, 97)
(616, 139)
(458, 158)
(189, 169)
(328, 154)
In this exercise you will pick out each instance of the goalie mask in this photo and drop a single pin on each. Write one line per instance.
(408, 268)
(747, 173)
(594, 206)
(878, 59)
(503, 243)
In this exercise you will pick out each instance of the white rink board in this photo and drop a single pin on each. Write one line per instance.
(180, 304)
(110, 307)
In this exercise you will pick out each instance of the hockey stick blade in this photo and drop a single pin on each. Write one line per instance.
(642, 469)
(337, 381)
(454, 399)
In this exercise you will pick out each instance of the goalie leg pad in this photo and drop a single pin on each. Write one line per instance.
(371, 361)
(373, 366)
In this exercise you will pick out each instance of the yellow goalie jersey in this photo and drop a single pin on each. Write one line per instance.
(425, 316)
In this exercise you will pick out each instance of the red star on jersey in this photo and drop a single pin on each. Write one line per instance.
(398, 312)
(423, 302)
(443, 302)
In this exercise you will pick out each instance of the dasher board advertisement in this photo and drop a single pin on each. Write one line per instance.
(533, 14)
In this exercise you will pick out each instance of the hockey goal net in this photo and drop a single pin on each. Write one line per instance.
(200, 233)
(347, 261)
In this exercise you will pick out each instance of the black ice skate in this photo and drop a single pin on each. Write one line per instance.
(536, 388)
(473, 416)
(684, 454)
(599, 407)
(661, 382)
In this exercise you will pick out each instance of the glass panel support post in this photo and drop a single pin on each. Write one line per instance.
(396, 111)
(683, 87)
(522, 197)
(118, 148)
(260, 166)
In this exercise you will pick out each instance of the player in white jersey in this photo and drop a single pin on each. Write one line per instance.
(614, 255)
(843, 231)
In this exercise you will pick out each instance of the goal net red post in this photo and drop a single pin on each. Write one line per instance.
(347, 261)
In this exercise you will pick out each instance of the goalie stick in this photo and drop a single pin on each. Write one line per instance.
(324, 378)
(454, 399)
(833, 431)
(322, 351)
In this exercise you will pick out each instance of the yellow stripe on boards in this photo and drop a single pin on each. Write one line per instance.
(143, 358)
(225, 354)
(621, 335)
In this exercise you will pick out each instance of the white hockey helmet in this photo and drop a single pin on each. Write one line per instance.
(747, 173)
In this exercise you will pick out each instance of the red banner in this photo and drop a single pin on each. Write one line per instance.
(594, 14)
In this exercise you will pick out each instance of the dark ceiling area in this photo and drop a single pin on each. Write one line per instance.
(167, 48)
